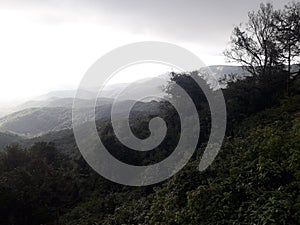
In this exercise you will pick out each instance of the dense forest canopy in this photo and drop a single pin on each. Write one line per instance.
(255, 179)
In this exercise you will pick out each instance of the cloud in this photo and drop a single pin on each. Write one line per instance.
(200, 21)
(46, 45)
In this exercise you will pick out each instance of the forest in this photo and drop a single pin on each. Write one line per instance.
(255, 178)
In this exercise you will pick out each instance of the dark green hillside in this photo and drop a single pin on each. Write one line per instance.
(7, 138)
(34, 122)
(254, 179)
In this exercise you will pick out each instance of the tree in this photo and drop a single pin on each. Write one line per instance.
(287, 25)
(254, 46)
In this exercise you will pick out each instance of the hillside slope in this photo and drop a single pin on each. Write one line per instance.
(39, 121)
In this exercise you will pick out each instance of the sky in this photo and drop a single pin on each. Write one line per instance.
(49, 45)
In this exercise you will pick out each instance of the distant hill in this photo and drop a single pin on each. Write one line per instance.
(38, 121)
(58, 102)
(64, 94)
(62, 98)
(6, 139)
(58, 128)
(53, 111)
(220, 70)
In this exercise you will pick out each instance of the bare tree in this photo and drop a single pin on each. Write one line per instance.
(254, 44)
(287, 24)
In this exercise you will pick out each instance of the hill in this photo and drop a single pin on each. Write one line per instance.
(253, 180)
(38, 121)
(8, 139)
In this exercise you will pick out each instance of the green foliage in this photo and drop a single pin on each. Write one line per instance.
(255, 178)
(6, 139)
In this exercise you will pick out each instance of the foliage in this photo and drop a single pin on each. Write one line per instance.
(269, 39)
(255, 178)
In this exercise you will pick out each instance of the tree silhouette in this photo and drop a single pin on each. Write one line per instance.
(254, 44)
(287, 25)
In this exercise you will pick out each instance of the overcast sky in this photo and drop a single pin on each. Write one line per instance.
(48, 45)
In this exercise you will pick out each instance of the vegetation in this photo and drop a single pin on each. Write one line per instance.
(269, 41)
(255, 178)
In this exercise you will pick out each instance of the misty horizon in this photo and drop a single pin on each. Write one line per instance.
(47, 47)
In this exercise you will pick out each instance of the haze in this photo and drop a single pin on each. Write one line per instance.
(49, 45)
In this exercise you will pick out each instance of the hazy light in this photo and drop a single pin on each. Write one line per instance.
(39, 56)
